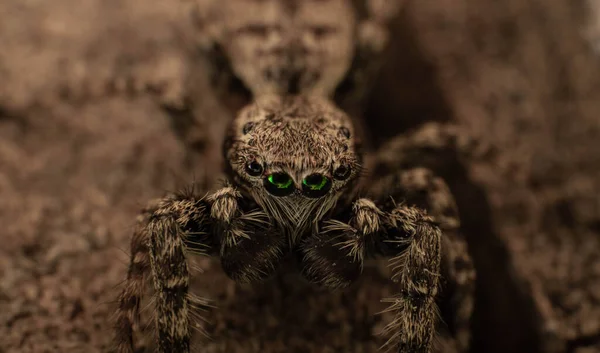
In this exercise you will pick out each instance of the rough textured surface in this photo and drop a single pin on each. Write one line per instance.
(522, 74)
(73, 175)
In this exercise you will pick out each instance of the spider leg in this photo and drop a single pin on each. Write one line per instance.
(405, 233)
(128, 311)
(168, 229)
(423, 189)
(250, 246)
(438, 147)
(159, 247)
(410, 233)
(413, 240)
(167, 232)
(433, 145)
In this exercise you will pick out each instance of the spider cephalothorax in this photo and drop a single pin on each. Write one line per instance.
(294, 156)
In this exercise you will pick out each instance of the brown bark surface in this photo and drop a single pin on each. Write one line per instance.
(77, 162)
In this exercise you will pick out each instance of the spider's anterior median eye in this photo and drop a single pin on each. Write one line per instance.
(279, 184)
(254, 168)
(342, 172)
(315, 185)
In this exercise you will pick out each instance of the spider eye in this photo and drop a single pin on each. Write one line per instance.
(341, 172)
(315, 185)
(247, 127)
(344, 131)
(279, 184)
(254, 168)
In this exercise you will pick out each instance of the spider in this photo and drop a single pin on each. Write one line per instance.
(293, 177)
(297, 186)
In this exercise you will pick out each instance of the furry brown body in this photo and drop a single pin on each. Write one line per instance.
(295, 187)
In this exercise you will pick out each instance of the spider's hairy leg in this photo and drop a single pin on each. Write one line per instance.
(421, 187)
(184, 224)
(413, 241)
(405, 233)
(402, 230)
(250, 246)
(435, 146)
(158, 246)
(335, 254)
(334, 257)
(128, 311)
(168, 230)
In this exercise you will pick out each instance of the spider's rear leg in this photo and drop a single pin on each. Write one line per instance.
(437, 146)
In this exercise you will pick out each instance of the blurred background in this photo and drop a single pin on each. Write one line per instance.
(80, 156)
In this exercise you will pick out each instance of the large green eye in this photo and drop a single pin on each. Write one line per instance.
(315, 185)
(315, 182)
(280, 180)
(279, 184)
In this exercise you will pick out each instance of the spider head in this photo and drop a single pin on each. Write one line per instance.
(296, 156)
(278, 47)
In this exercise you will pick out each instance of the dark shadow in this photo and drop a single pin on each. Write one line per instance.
(406, 95)
(407, 92)
(504, 318)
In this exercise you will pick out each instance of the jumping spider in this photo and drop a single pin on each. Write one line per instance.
(296, 187)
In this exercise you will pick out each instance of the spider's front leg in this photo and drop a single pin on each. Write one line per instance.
(158, 249)
(422, 188)
(250, 245)
(223, 223)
